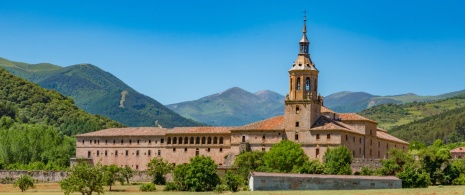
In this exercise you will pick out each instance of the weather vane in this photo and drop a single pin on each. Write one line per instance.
(305, 14)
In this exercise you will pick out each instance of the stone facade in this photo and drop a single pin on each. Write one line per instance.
(281, 181)
(305, 121)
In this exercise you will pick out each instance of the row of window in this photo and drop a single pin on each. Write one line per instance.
(308, 84)
(122, 141)
(196, 140)
(149, 152)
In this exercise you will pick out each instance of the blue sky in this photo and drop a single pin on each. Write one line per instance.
(177, 51)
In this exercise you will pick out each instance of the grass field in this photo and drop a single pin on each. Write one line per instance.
(54, 189)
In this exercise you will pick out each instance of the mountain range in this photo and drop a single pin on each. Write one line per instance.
(99, 92)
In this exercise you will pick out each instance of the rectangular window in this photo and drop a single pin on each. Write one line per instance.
(114, 141)
(88, 154)
(98, 153)
(328, 136)
(130, 141)
(221, 149)
(174, 149)
(208, 149)
(98, 141)
(82, 142)
(317, 152)
(150, 141)
(137, 141)
(360, 140)
(106, 153)
(317, 136)
(347, 137)
(159, 152)
(150, 152)
(137, 152)
(185, 149)
(116, 152)
(127, 152)
(162, 140)
(296, 136)
(137, 167)
(296, 124)
(106, 141)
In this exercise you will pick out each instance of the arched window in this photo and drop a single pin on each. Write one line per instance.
(180, 140)
(297, 109)
(221, 140)
(186, 140)
(307, 84)
(209, 141)
(197, 140)
(175, 139)
(298, 83)
(192, 140)
(215, 140)
(203, 140)
(169, 140)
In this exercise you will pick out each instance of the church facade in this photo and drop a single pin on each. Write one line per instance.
(305, 121)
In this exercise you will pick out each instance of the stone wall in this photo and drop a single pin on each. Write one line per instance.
(358, 163)
(56, 176)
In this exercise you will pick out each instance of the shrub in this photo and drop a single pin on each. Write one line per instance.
(233, 181)
(220, 188)
(24, 183)
(149, 187)
(171, 186)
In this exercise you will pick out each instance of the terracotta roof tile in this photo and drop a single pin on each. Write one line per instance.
(386, 136)
(324, 109)
(324, 123)
(460, 149)
(354, 117)
(275, 123)
(129, 131)
(203, 130)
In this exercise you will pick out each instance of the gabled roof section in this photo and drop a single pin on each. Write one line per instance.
(129, 131)
(324, 123)
(456, 150)
(200, 130)
(384, 135)
(324, 109)
(354, 117)
(275, 123)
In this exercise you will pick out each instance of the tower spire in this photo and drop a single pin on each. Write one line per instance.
(304, 43)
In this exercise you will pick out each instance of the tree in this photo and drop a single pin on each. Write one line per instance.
(233, 181)
(394, 164)
(127, 173)
(24, 182)
(413, 177)
(198, 175)
(247, 162)
(312, 167)
(83, 178)
(285, 156)
(434, 160)
(158, 168)
(337, 161)
(112, 173)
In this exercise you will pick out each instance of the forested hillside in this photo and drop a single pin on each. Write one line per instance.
(391, 115)
(36, 124)
(99, 92)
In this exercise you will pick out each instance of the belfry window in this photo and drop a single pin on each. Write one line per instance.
(307, 84)
(298, 83)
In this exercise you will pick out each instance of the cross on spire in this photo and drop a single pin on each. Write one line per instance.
(305, 14)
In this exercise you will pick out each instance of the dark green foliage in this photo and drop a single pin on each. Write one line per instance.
(127, 173)
(149, 187)
(33, 146)
(112, 173)
(84, 178)
(198, 175)
(171, 186)
(337, 161)
(24, 182)
(435, 161)
(220, 188)
(99, 92)
(369, 172)
(394, 164)
(233, 181)
(448, 126)
(247, 162)
(285, 157)
(312, 167)
(158, 168)
(413, 177)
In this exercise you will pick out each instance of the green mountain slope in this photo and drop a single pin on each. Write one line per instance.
(232, 107)
(392, 115)
(357, 101)
(448, 126)
(99, 92)
(36, 125)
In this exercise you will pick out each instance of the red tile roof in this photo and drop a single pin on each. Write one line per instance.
(324, 123)
(457, 150)
(386, 136)
(275, 123)
(129, 131)
(203, 130)
(324, 109)
(354, 117)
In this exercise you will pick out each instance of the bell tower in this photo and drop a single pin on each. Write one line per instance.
(302, 104)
